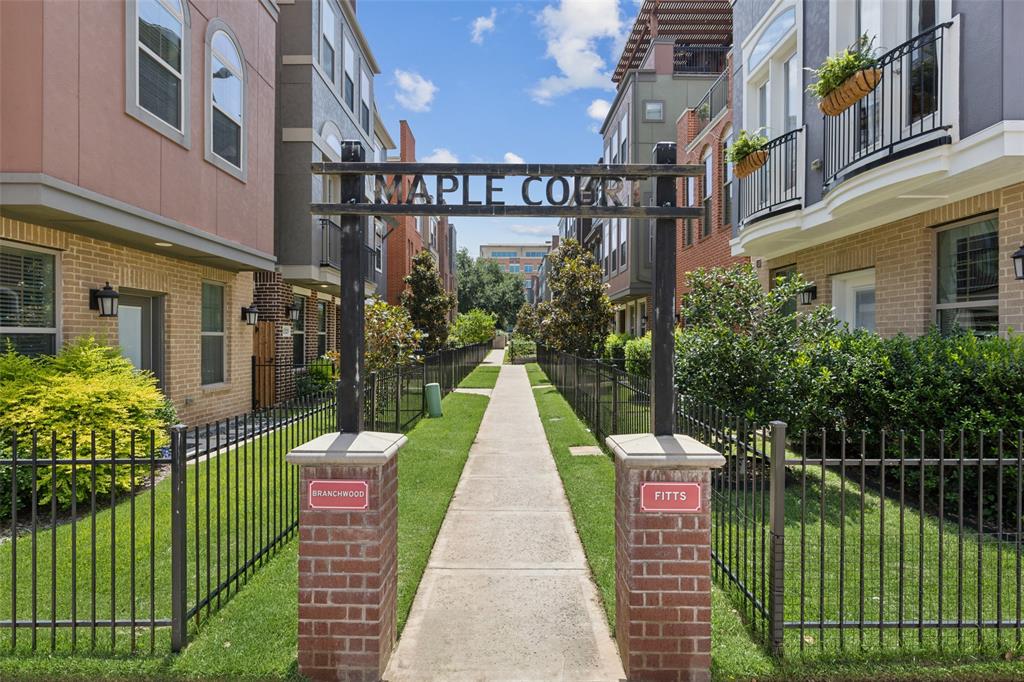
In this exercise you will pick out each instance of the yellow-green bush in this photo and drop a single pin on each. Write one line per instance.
(87, 388)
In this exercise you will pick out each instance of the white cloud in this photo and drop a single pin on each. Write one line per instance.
(511, 157)
(482, 25)
(440, 155)
(414, 91)
(572, 30)
(533, 230)
(598, 109)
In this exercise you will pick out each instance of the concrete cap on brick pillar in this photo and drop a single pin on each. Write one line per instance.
(645, 450)
(358, 449)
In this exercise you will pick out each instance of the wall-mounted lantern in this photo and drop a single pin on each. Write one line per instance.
(250, 314)
(808, 294)
(1018, 262)
(104, 300)
(292, 311)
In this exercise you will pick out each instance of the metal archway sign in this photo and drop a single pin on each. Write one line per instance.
(544, 191)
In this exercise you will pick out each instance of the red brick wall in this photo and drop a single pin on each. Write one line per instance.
(714, 249)
(663, 581)
(404, 242)
(348, 569)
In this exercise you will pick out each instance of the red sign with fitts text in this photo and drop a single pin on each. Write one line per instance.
(670, 497)
(339, 495)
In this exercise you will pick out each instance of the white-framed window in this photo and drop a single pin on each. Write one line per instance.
(29, 297)
(349, 86)
(213, 348)
(967, 275)
(654, 110)
(623, 238)
(321, 328)
(624, 138)
(514, 267)
(225, 101)
(772, 68)
(433, 232)
(157, 62)
(378, 244)
(328, 37)
(615, 145)
(853, 298)
(364, 100)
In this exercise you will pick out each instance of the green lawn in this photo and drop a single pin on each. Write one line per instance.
(589, 485)
(536, 374)
(253, 635)
(484, 376)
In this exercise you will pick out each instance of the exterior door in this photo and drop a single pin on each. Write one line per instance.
(263, 365)
(139, 329)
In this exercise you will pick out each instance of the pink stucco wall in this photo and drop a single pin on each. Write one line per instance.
(62, 113)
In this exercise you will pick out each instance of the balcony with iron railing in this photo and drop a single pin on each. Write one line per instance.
(714, 102)
(330, 252)
(699, 59)
(777, 186)
(904, 114)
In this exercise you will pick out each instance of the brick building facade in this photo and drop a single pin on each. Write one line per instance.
(703, 133)
(126, 171)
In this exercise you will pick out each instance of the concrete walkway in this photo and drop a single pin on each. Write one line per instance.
(507, 594)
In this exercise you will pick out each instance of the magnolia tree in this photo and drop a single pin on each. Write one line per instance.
(427, 302)
(527, 321)
(576, 320)
(476, 326)
(391, 337)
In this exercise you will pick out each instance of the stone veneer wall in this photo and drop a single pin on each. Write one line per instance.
(904, 257)
(86, 263)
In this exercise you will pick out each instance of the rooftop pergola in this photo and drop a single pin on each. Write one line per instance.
(687, 22)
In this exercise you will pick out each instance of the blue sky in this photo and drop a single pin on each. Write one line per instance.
(481, 80)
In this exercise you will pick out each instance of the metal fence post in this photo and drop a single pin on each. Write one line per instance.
(597, 400)
(777, 521)
(615, 402)
(179, 554)
(373, 401)
(398, 399)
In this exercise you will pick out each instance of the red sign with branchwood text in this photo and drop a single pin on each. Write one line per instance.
(670, 497)
(339, 495)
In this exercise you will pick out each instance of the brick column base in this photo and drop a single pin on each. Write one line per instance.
(348, 568)
(663, 557)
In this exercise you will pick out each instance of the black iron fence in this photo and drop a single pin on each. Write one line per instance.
(775, 186)
(904, 112)
(840, 541)
(120, 542)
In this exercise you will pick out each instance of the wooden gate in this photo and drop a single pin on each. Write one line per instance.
(264, 354)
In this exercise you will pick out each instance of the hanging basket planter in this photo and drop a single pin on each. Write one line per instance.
(751, 162)
(854, 88)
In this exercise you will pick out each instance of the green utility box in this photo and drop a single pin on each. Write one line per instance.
(434, 400)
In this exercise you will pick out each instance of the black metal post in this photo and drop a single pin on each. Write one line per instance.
(350, 337)
(777, 522)
(663, 391)
(179, 554)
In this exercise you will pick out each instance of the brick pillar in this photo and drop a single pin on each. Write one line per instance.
(347, 555)
(663, 556)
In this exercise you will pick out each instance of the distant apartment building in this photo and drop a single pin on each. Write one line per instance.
(408, 235)
(326, 70)
(904, 210)
(672, 56)
(137, 159)
(704, 133)
(520, 259)
(543, 289)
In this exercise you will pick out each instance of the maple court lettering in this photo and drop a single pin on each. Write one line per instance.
(535, 190)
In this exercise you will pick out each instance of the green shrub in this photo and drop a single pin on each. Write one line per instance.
(745, 144)
(615, 348)
(391, 338)
(476, 326)
(837, 68)
(86, 388)
(520, 347)
(637, 355)
(318, 376)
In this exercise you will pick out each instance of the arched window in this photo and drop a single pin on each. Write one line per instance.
(331, 136)
(708, 159)
(225, 100)
(156, 64)
(727, 183)
(771, 36)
